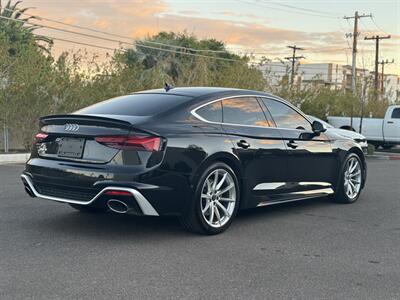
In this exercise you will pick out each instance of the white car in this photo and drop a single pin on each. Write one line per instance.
(357, 137)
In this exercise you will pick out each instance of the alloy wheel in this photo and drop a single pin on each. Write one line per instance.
(352, 178)
(218, 198)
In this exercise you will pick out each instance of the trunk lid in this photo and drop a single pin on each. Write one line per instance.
(76, 137)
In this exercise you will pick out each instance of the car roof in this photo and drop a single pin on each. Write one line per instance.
(196, 92)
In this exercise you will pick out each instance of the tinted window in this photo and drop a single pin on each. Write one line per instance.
(135, 105)
(211, 112)
(243, 111)
(285, 116)
(396, 113)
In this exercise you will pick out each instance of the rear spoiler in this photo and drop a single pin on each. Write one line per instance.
(83, 119)
(125, 122)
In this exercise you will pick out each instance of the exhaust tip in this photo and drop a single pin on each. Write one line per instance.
(117, 206)
(29, 192)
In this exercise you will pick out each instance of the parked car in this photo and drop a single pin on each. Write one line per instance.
(379, 132)
(197, 153)
(357, 137)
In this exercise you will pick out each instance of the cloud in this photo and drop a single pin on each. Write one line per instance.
(102, 23)
(140, 18)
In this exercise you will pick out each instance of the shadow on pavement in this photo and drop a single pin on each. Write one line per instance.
(129, 227)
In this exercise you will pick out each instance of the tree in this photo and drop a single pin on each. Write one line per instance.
(174, 57)
(18, 29)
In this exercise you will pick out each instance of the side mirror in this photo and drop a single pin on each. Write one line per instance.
(318, 127)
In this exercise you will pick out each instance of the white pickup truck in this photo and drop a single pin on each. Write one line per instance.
(379, 132)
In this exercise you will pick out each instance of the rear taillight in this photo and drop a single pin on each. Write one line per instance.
(140, 143)
(40, 136)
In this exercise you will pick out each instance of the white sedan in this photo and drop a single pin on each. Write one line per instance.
(357, 137)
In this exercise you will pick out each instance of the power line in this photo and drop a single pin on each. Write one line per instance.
(286, 10)
(367, 29)
(82, 43)
(113, 34)
(136, 44)
(304, 9)
(377, 26)
(36, 17)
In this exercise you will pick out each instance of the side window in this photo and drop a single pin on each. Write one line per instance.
(211, 112)
(396, 113)
(285, 116)
(243, 111)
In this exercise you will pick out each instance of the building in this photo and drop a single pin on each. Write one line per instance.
(335, 76)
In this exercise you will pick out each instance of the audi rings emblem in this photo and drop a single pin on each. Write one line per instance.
(71, 127)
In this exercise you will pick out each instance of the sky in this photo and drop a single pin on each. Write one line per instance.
(263, 27)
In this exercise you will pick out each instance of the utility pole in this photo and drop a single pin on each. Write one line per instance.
(354, 56)
(377, 38)
(293, 59)
(383, 63)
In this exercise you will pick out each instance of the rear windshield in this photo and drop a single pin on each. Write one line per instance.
(135, 105)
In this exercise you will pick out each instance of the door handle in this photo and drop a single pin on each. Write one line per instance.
(292, 145)
(390, 122)
(243, 144)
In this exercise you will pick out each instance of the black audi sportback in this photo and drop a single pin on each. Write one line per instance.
(197, 153)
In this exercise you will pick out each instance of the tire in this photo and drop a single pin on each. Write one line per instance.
(87, 208)
(205, 214)
(387, 147)
(343, 194)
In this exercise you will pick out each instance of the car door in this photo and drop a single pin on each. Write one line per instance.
(312, 165)
(391, 125)
(253, 136)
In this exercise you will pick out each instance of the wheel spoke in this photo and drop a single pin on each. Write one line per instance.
(211, 217)
(205, 196)
(352, 188)
(352, 184)
(221, 182)
(355, 174)
(206, 207)
(215, 180)
(217, 214)
(223, 209)
(348, 188)
(209, 187)
(349, 166)
(354, 166)
(227, 199)
(229, 187)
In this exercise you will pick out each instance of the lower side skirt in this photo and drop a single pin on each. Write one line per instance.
(298, 196)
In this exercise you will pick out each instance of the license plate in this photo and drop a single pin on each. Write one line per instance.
(71, 147)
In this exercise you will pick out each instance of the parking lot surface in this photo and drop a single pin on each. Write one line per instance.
(312, 249)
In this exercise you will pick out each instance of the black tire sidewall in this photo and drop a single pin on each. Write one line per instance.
(196, 200)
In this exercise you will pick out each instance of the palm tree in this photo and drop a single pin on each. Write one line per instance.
(21, 25)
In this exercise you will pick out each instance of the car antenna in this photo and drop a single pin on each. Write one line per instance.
(168, 86)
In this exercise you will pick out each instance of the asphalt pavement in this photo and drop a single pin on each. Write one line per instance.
(312, 249)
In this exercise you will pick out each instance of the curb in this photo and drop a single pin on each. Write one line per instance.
(384, 157)
(14, 158)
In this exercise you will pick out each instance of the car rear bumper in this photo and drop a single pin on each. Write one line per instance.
(86, 184)
(144, 205)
